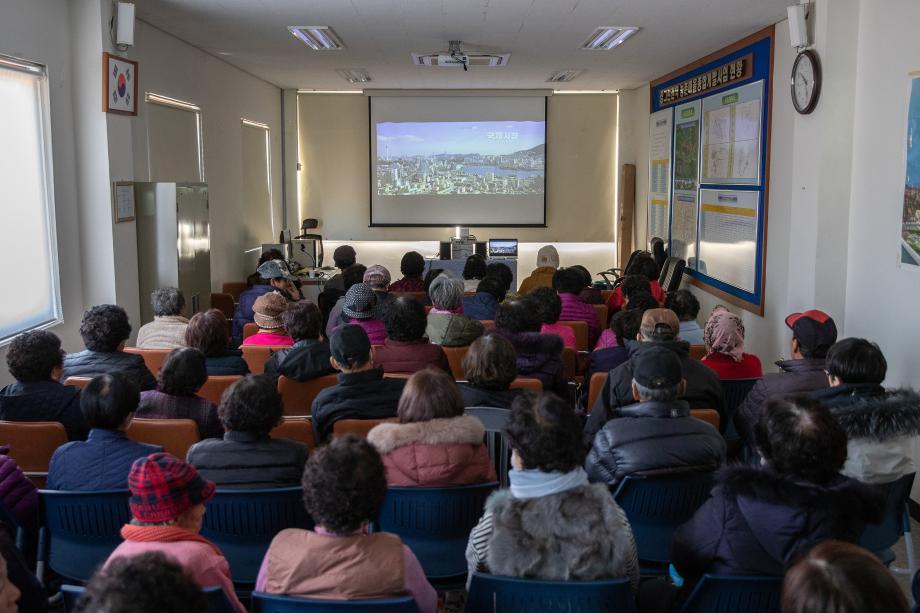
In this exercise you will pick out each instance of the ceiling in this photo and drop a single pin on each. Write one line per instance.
(543, 36)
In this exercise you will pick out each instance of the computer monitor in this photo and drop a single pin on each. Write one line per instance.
(503, 247)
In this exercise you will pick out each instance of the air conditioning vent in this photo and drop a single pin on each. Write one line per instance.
(444, 60)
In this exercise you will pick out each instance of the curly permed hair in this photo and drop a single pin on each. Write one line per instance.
(104, 327)
(252, 404)
(546, 433)
(33, 355)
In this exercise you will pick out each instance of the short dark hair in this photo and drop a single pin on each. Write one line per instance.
(104, 327)
(546, 433)
(429, 394)
(303, 320)
(502, 271)
(490, 363)
(183, 373)
(167, 301)
(626, 325)
(405, 319)
(799, 437)
(843, 578)
(207, 332)
(149, 582)
(568, 281)
(343, 258)
(856, 360)
(33, 355)
(475, 267)
(251, 404)
(108, 399)
(412, 264)
(633, 284)
(353, 275)
(644, 264)
(547, 303)
(344, 484)
(517, 316)
(684, 304)
(585, 275)
(493, 286)
(642, 301)
(271, 254)
(430, 276)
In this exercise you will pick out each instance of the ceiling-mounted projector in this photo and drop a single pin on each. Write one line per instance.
(456, 57)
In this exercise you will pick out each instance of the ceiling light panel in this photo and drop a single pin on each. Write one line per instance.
(354, 75)
(608, 37)
(564, 76)
(318, 38)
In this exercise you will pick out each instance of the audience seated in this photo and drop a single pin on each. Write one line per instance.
(569, 282)
(881, 427)
(474, 271)
(813, 333)
(167, 507)
(489, 366)
(274, 277)
(639, 300)
(362, 392)
(377, 278)
(643, 264)
(182, 375)
(207, 332)
(351, 276)
(430, 276)
(551, 524)
(539, 356)
(723, 339)
(657, 435)
(503, 272)
(104, 330)
(167, 330)
(659, 327)
(838, 577)
(343, 257)
(405, 348)
(412, 266)
(542, 275)
(624, 326)
(434, 444)
(360, 309)
(546, 302)
(103, 461)
(447, 325)
(147, 583)
(247, 456)
(686, 307)
(17, 583)
(590, 294)
(268, 309)
(308, 357)
(35, 360)
(255, 278)
(17, 492)
(344, 487)
(484, 303)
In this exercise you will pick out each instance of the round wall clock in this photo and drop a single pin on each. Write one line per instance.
(805, 84)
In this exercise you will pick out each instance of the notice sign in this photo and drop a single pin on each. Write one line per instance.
(728, 236)
(659, 174)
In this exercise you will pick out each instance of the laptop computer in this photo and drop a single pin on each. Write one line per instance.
(503, 247)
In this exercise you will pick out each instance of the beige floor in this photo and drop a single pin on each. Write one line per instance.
(901, 559)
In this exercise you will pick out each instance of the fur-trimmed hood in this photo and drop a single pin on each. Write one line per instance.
(876, 416)
(462, 430)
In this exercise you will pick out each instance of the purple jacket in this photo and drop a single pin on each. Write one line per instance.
(409, 356)
(573, 309)
(17, 492)
(539, 356)
(157, 405)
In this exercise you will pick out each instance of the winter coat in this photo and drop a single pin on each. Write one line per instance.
(231, 362)
(45, 401)
(474, 396)
(728, 369)
(574, 309)
(166, 332)
(408, 284)
(881, 429)
(658, 437)
(452, 329)
(605, 360)
(758, 522)
(566, 333)
(539, 356)
(704, 390)
(481, 306)
(615, 302)
(247, 460)
(435, 453)
(306, 359)
(359, 395)
(409, 356)
(795, 376)
(158, 405)
(244, 314)
(540, 277)
(376, 331)
(91, 363)
(101, 462)
(17, 492)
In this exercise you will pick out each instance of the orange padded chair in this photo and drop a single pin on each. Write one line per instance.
(455, 357)
(234, 289)
(488, 324)
(32, 443)
(175, 436)
(600, 309)
(214, 387)
(710, 416)
(697, 352)
(297, 429)
(581, 333)
(257, 355)
(605, 294)
(223, 303)
(523, 383)
(595, 386)
(80, 382)
(249, 329)
(359, 427)
(297, 396)
(153, 358)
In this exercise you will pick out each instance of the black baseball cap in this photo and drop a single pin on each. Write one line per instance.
(350, 346)
(655, 367)
(814, 329)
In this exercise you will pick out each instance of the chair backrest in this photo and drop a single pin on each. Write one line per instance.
(524, 383)
(175, 436)
(397, 375)
(297, 429)
(581, 333)
(297, 396)
(215, 596)
(243, 522)
(234, 288)
(80, 382)
(569, 363)
(697, 352)
(455, 357)
(606, 294)
(359, 427)
(497, 594)
(734, 391)
(435, 523)
(494, 420)
(710, 416)
(81, 529)
(32, 443)
(602, 314)
(671, 273)
(257, 355)
(249, 329)
(657, 505)
(488, 324)
(153, 358)
(595, 387)
(879, 537)
(656, 246)
(214, 387)
(273, 603)
(728, 594)
(224, 303)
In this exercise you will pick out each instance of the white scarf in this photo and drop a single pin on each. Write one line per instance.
(536, 483)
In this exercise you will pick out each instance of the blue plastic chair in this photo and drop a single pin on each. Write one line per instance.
(495, 594)
(880, 538)
(273, 603)
(657, 505)
(242, 523)
(494, 420)
(217, 599)
(9, 520)
(79, 531)
(435, 523)
(731, 594)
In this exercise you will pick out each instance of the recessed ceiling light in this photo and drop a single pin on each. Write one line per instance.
(354, 75)
(318, 38)
(608, 37)
(564, 76)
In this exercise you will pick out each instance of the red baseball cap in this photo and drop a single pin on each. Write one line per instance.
(815, 330)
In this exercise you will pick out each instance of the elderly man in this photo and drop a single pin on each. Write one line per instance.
(447, 325)
(167, 330)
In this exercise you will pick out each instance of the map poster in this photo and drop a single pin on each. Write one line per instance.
(686, 182)
(659, 174)
(728, 236)
(910, 229)
(731, 135)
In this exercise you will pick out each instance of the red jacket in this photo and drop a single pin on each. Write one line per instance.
(727, 368)
(409, 356)
(615, 303)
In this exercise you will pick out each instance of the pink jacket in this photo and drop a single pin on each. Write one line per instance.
(564, 332)
(573, 309)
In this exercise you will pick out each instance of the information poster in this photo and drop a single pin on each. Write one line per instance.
(731, 135)
(728, 236)
(910, 228)
(686, 182)
(659, 173)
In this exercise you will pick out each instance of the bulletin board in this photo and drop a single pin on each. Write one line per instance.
(719, 160)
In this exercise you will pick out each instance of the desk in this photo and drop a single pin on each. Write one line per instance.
(457, 267)
(311, 287)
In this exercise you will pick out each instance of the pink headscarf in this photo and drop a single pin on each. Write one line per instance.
(724, 333)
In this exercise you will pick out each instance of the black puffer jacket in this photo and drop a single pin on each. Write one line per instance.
(247, 460)
(653, 436)
(539, 356)
(359, 395)
(306, 359)
(45, 401)
(88, 363)
(480, 397)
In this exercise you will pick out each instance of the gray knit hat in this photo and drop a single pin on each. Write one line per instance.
(275, 269)
(360, 302)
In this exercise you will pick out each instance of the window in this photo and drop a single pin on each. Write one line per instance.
(258, 219)
(28, 245)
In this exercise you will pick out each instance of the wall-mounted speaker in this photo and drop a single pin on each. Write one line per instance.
(124, 23)
(798, 25)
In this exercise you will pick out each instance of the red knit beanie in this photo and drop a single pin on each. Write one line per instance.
(164, 487)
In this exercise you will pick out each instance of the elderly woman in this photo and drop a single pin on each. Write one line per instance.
(268, 310)
(539, 356)
(405, 348)
(247, 456)
(474, 271)
(360, 308)
(412, 267)
(207, 332)
(569, 282)
(551, 524)
(167, 330)
(489, 366)
(723, 338)
(434, 444)
(167, 506)
(308, 357)
(548, 305)
(447, 325)
(542, 275)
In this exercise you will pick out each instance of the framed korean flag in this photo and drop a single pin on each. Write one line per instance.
(119, 85)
